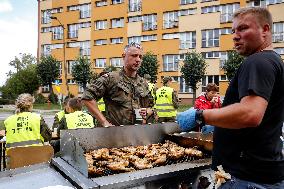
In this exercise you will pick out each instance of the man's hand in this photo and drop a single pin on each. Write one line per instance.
(107, 124)
(186, 119)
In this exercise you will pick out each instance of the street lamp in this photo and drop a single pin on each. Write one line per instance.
(64, 62)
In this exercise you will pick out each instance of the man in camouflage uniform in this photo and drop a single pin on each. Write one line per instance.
(123, 92)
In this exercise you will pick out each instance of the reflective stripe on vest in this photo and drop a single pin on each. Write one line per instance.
(60, 115)
(79, 119)
(164, 104)
(23, 129)
(151, 87)
(101, 105)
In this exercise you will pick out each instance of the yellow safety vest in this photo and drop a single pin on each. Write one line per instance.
(23, 129)
(151, 87)
(79, 119)
(60, 114)
(164, 103)
(101, 105)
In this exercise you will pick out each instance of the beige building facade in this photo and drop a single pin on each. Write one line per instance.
(99, 29)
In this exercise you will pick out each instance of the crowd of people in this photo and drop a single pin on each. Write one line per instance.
(247, 125)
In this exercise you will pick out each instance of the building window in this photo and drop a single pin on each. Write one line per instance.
(114, 2)
(116, 40)
(170, 62)
(100, 42)
(85, 10)
(80, 89)
(73, 28)
(212, 54)
(263, 3)
(186, 12)
(171, 19)
(45, 89)
(100, 63)
(70, 64)
(149, 22)
(149, 37)
(71, 81)
(227, 12)
(278, 32)
(210, 38)
(279, 50)
(60, 69)
(57, 33)
(183, 87)
(210, 9)
(134, 18)
(101, 3)
(101, 24)
(202, 1)
(116, 62)
(185, 2)
(136, 39)
(187, 40)
(45, 16)
(46, 50)
(171, 36)
(135, 5)
(117, 22)
(209, 79)
(84, 47)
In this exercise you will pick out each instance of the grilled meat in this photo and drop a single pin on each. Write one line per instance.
(193, 152)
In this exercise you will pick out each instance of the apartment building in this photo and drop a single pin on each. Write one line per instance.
(100, 29)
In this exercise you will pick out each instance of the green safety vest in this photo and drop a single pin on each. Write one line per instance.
(23, 129)
(79, 119)
(60, 114)
(151, 87)
(164, 103)
(101, 105)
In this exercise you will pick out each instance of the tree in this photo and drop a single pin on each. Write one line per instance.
(149, 66)
(232, 64)
(25, 80)
(21, 62)
(193, 70)
(48, 71)
(81, 71)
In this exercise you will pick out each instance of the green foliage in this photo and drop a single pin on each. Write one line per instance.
(40, 99)
(48, 70)
(232, 64)
(81, 71)
(22, 62)
(110, 69)
(25, 80)
(53, 98)
(193, 70)
(149, 66)
(6, 101)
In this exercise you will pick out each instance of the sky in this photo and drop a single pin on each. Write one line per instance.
(18, 32)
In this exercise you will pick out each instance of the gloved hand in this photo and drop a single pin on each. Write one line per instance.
(207, 129)
(186, 119)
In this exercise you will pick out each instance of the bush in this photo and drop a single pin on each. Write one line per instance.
(40, 99)
(53, 98)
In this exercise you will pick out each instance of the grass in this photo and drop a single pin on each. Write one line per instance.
(47, 106)
(2, 125)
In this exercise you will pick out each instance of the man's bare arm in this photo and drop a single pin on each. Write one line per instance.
(248, 113)
(94, 110)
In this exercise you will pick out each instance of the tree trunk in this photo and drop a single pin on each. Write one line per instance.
(50, 88)
(193, 97)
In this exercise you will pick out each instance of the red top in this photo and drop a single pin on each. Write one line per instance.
(203, 103)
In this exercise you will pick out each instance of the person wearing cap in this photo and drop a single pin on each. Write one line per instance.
(151, 86)
(124, 92)
(166, 102)
(25, 128)
(59, 115)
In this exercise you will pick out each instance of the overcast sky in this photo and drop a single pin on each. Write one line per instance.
(18, 32)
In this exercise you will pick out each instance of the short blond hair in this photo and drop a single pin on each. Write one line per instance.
(262, 14)
(24, 102)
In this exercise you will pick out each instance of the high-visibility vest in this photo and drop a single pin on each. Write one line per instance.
(79, 119)
(151, 87)
(101, 105)
(164, 104)
(60, 114)
(23, 129)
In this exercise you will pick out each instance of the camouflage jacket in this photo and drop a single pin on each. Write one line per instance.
(121, 94)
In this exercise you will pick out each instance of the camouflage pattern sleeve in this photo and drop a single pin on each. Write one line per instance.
(45, 130)
(97, 89)
(56, 122)
(175, 100)
(62, 125)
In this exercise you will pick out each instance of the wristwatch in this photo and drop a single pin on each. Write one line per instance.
(199, 119)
